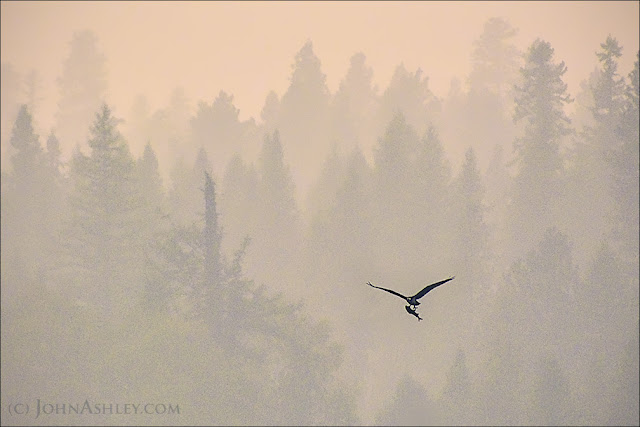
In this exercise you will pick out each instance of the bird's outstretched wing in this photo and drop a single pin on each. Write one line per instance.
(388, 290)
(430, 287)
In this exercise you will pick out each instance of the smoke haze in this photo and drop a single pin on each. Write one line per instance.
(195, 194)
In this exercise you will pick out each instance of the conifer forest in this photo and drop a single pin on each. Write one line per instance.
(180, 263)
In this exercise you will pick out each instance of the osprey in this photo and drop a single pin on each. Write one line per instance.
(413, 300)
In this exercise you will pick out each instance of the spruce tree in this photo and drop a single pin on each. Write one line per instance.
(25, 193)
(212, 235)
(28, 155)
(150, 182)
(277, 239)
(104, 227)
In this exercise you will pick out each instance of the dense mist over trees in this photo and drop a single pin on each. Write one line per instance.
(184, 256)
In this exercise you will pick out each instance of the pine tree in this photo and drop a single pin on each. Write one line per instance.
(150, 181)
(270, 112)
(322, 194)
(83, 86)
(481, 115)
(411, 175)
(394, 156)
(28, 151)
(339, 241)
(410, 405)
(54, 203)
(625, 409)
(552, 396)
(352, 107)
(239, 203)
(544, 284)
(202, 164)
(138, 125)
(457, 394)
(153, 203)
(497, 183)
(11, 100)
(277, 365)
(540, 285)
(495, 58)
(430, 227)
(168, 128)
(303, 117)
(185, 205)
(33, 84)
(276, 185)
(35, 196)
(216, 128)
(54, 153)
(592, 170)
(608, 91)
(180, 193)
(625, 169)
(538, 184)
(394, 186)
(352, 216)
(408, 93)
(582, 117)
(471, 247)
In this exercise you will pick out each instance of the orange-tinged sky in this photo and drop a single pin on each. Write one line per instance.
(247, 48)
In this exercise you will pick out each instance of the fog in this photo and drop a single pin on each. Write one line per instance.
(195, 195)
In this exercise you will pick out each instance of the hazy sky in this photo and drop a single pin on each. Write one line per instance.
(247, 48)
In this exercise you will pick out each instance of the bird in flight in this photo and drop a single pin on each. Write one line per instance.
(413, 300)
